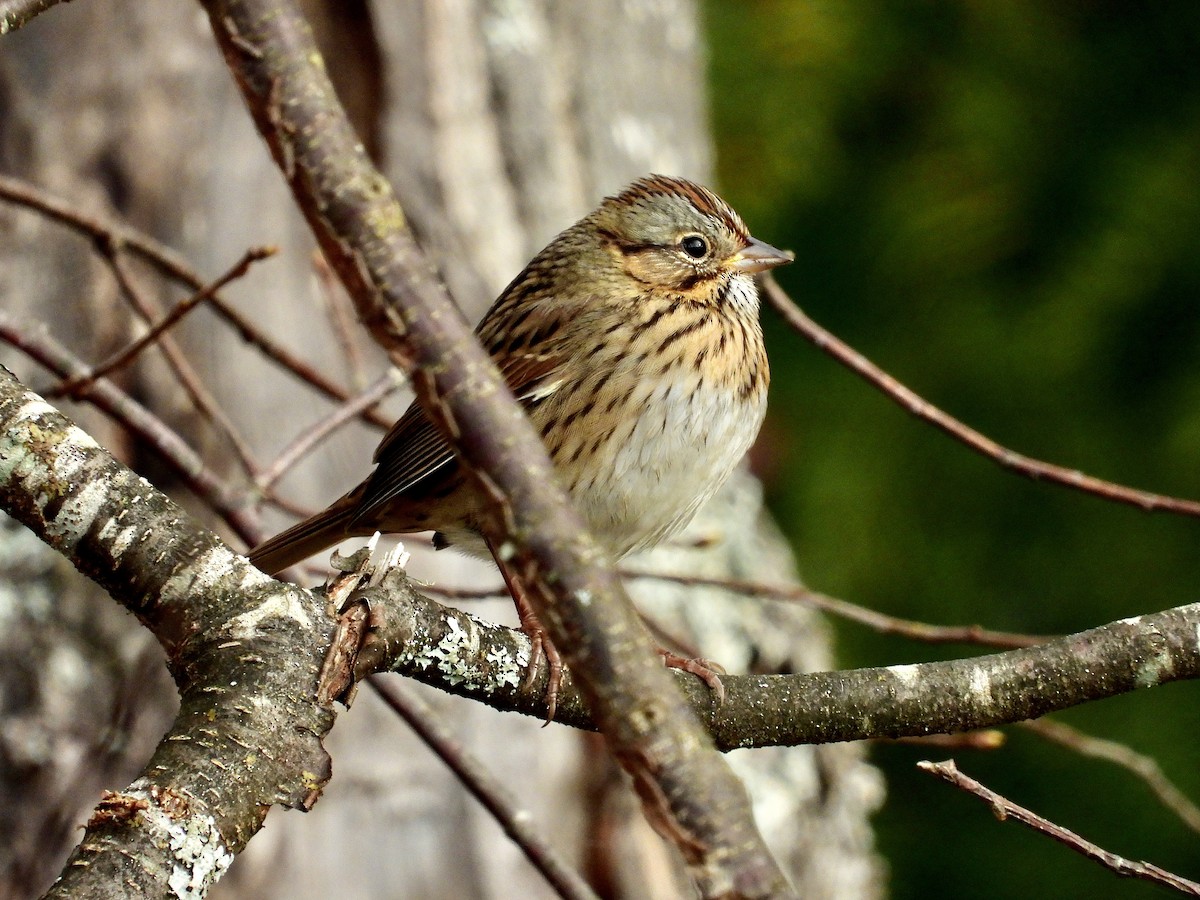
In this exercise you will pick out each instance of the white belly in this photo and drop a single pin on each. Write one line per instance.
(681, 448)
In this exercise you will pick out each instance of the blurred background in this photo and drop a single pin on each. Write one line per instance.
(999, 203)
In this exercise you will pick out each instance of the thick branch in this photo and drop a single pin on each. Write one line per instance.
(459, 653)
(245, 649)
(689, 792)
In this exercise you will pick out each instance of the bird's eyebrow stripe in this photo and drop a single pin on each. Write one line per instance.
(624, 246)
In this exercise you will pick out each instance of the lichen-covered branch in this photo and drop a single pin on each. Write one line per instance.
(244, 649)
(690, 794)
(462, 654)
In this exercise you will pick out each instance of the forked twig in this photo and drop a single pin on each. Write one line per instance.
(36, 342)
(980, 443)
(72, 386)
(1005, 809)
(171, 264)
(1144, 767)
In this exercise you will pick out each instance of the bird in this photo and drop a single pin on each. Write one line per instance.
(632, 340)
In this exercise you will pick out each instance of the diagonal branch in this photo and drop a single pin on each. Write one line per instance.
(688, 790)
(16, 13)
(35, 340)
(1034, 469)
(245, 650)
(1005, 809)
(109, 236)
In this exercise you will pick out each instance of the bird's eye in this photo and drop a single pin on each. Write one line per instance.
(694, 246)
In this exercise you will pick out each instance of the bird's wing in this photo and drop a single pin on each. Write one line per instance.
(414, 450)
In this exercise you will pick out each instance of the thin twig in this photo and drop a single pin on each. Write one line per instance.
(171, 264)
(1143, 766)
(980, 443)
(485, 788)
(126, 355)
(1005, 808)
(311, 438)
(189, 379)
(340, 313)
(36, 342)
(877, 621)
(984, 739)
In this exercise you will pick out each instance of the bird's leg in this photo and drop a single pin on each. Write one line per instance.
(705, 669)
(539, 641)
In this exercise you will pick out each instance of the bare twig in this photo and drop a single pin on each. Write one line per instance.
(877, 621)
(987, 739)
(171, 264)
(980, 443)
(1005, 809)
(1144, 767)
(35, 341)
(202, 399)
(312, 437)
(340, 313)
(127, 354)
(485, 788)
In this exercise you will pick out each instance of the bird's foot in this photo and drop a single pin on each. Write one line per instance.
(705, 669)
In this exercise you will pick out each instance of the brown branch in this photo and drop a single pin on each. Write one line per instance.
(1144, 767)
(245, 650)
(312, 437)
(202, 399)
(877, 621)
(168, 262)
(485, 788)
(123, 357)
(688, 790)
(1003, 808)
(341, 318)
(16, 13)
(457, 652)
(35, 341)
(980, 443)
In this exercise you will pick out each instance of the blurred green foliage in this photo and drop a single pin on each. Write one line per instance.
(998, 202)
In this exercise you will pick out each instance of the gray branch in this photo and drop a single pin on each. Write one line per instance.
(462, 654)
(245, 651)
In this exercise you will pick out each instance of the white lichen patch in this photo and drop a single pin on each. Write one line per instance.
(281, 605)
(199, 854)
(1154, 670)
(1132, 620)
(78, 512)
(981, 684)
(117, 538)
(454, 650)
(907, 675)
(34, 407)
(505, 669)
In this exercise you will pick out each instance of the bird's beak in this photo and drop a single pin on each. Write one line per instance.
(759, 257)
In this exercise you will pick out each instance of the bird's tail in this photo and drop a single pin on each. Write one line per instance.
(303, 539)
